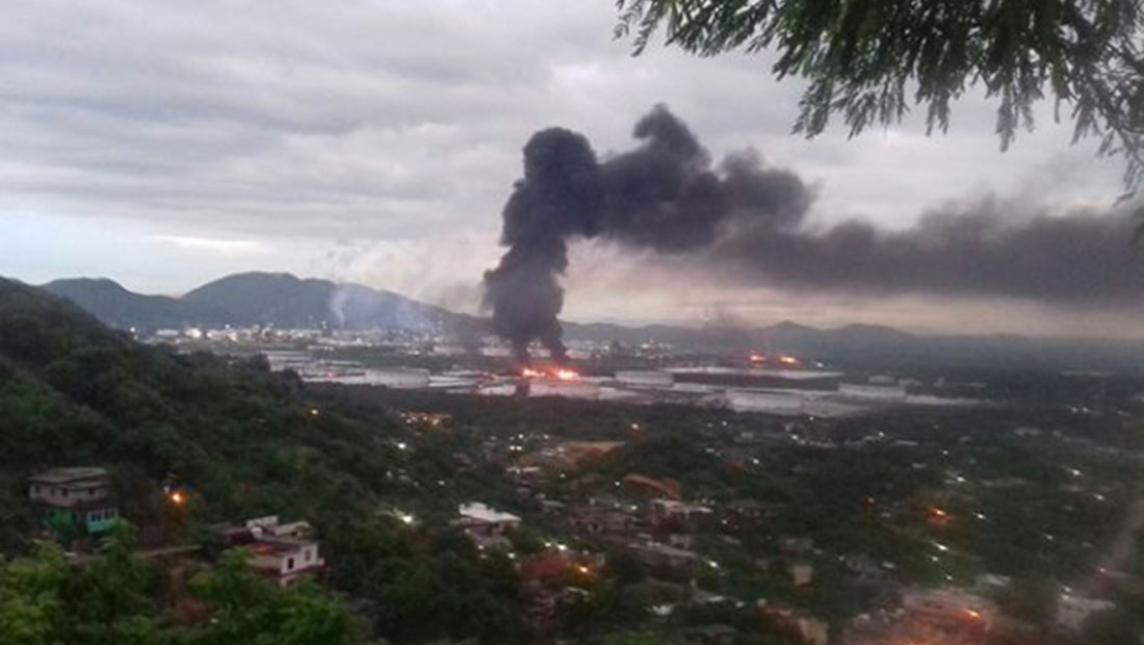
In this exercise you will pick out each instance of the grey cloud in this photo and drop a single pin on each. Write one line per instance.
(397, 120)
(264, 120)
(295, 119)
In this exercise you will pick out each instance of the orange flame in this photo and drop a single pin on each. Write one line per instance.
(558, 373)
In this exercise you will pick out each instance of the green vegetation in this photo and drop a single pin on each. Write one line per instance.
(858, 494)
(1014, 503)
(111, 601)
(244, 442)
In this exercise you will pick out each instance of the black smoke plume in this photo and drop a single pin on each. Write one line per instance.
(666, 195)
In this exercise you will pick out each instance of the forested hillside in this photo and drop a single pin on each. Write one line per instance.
(244, 442)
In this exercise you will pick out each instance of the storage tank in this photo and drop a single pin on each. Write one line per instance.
(566, 389)
(880, 393)
(401, 378)
(645, 378)
(763, 401)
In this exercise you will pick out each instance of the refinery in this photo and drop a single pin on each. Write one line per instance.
(777, 384)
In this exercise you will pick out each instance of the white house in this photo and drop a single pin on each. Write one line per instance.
(480, 519)
(281, 552)
(286, 560)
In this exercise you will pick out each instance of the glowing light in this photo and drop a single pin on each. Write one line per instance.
(407, 518)
(788, 360)
(976, 615)
(937, 512)
(558, 373)
(314, 412)
(178, 498)
(583, 569)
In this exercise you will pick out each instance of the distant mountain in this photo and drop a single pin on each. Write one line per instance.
(278, 299)
(117, 307)
(782, 337)
(286, 301)
(879, 347)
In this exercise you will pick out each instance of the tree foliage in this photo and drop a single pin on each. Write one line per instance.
(869, 60)
(249, 610)
(109, 600)
(245, 442)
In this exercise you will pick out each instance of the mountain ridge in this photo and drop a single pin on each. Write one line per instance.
(285, 300)
(258, 298)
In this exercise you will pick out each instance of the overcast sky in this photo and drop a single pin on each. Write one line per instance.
(164, 144)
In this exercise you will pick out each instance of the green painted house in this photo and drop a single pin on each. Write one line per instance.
(77, 500)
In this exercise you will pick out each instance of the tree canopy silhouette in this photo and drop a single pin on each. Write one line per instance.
(871, 60)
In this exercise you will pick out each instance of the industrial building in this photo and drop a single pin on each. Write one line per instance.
(645, 378)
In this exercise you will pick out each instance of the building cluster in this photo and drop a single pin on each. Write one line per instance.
(283, 553)
(947, 616)
(427, 420)
(318, 355)
(78, 508)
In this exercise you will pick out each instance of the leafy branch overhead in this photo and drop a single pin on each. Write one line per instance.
(870, 60)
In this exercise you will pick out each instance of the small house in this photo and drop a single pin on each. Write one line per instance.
(480, 519)
(282, 552)
(77, 499)
(285, 560)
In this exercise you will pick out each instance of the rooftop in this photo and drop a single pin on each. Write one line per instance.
(663, 549)
(68, 475)
(276, 547)
(483, 513)
(678, 506)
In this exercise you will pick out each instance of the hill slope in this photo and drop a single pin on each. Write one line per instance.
(108, 301)
(244, 442)
(76, 392)
(278, 299)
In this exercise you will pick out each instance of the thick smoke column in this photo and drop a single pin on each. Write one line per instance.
(748, 221)
(560, 196)
(663, 195)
